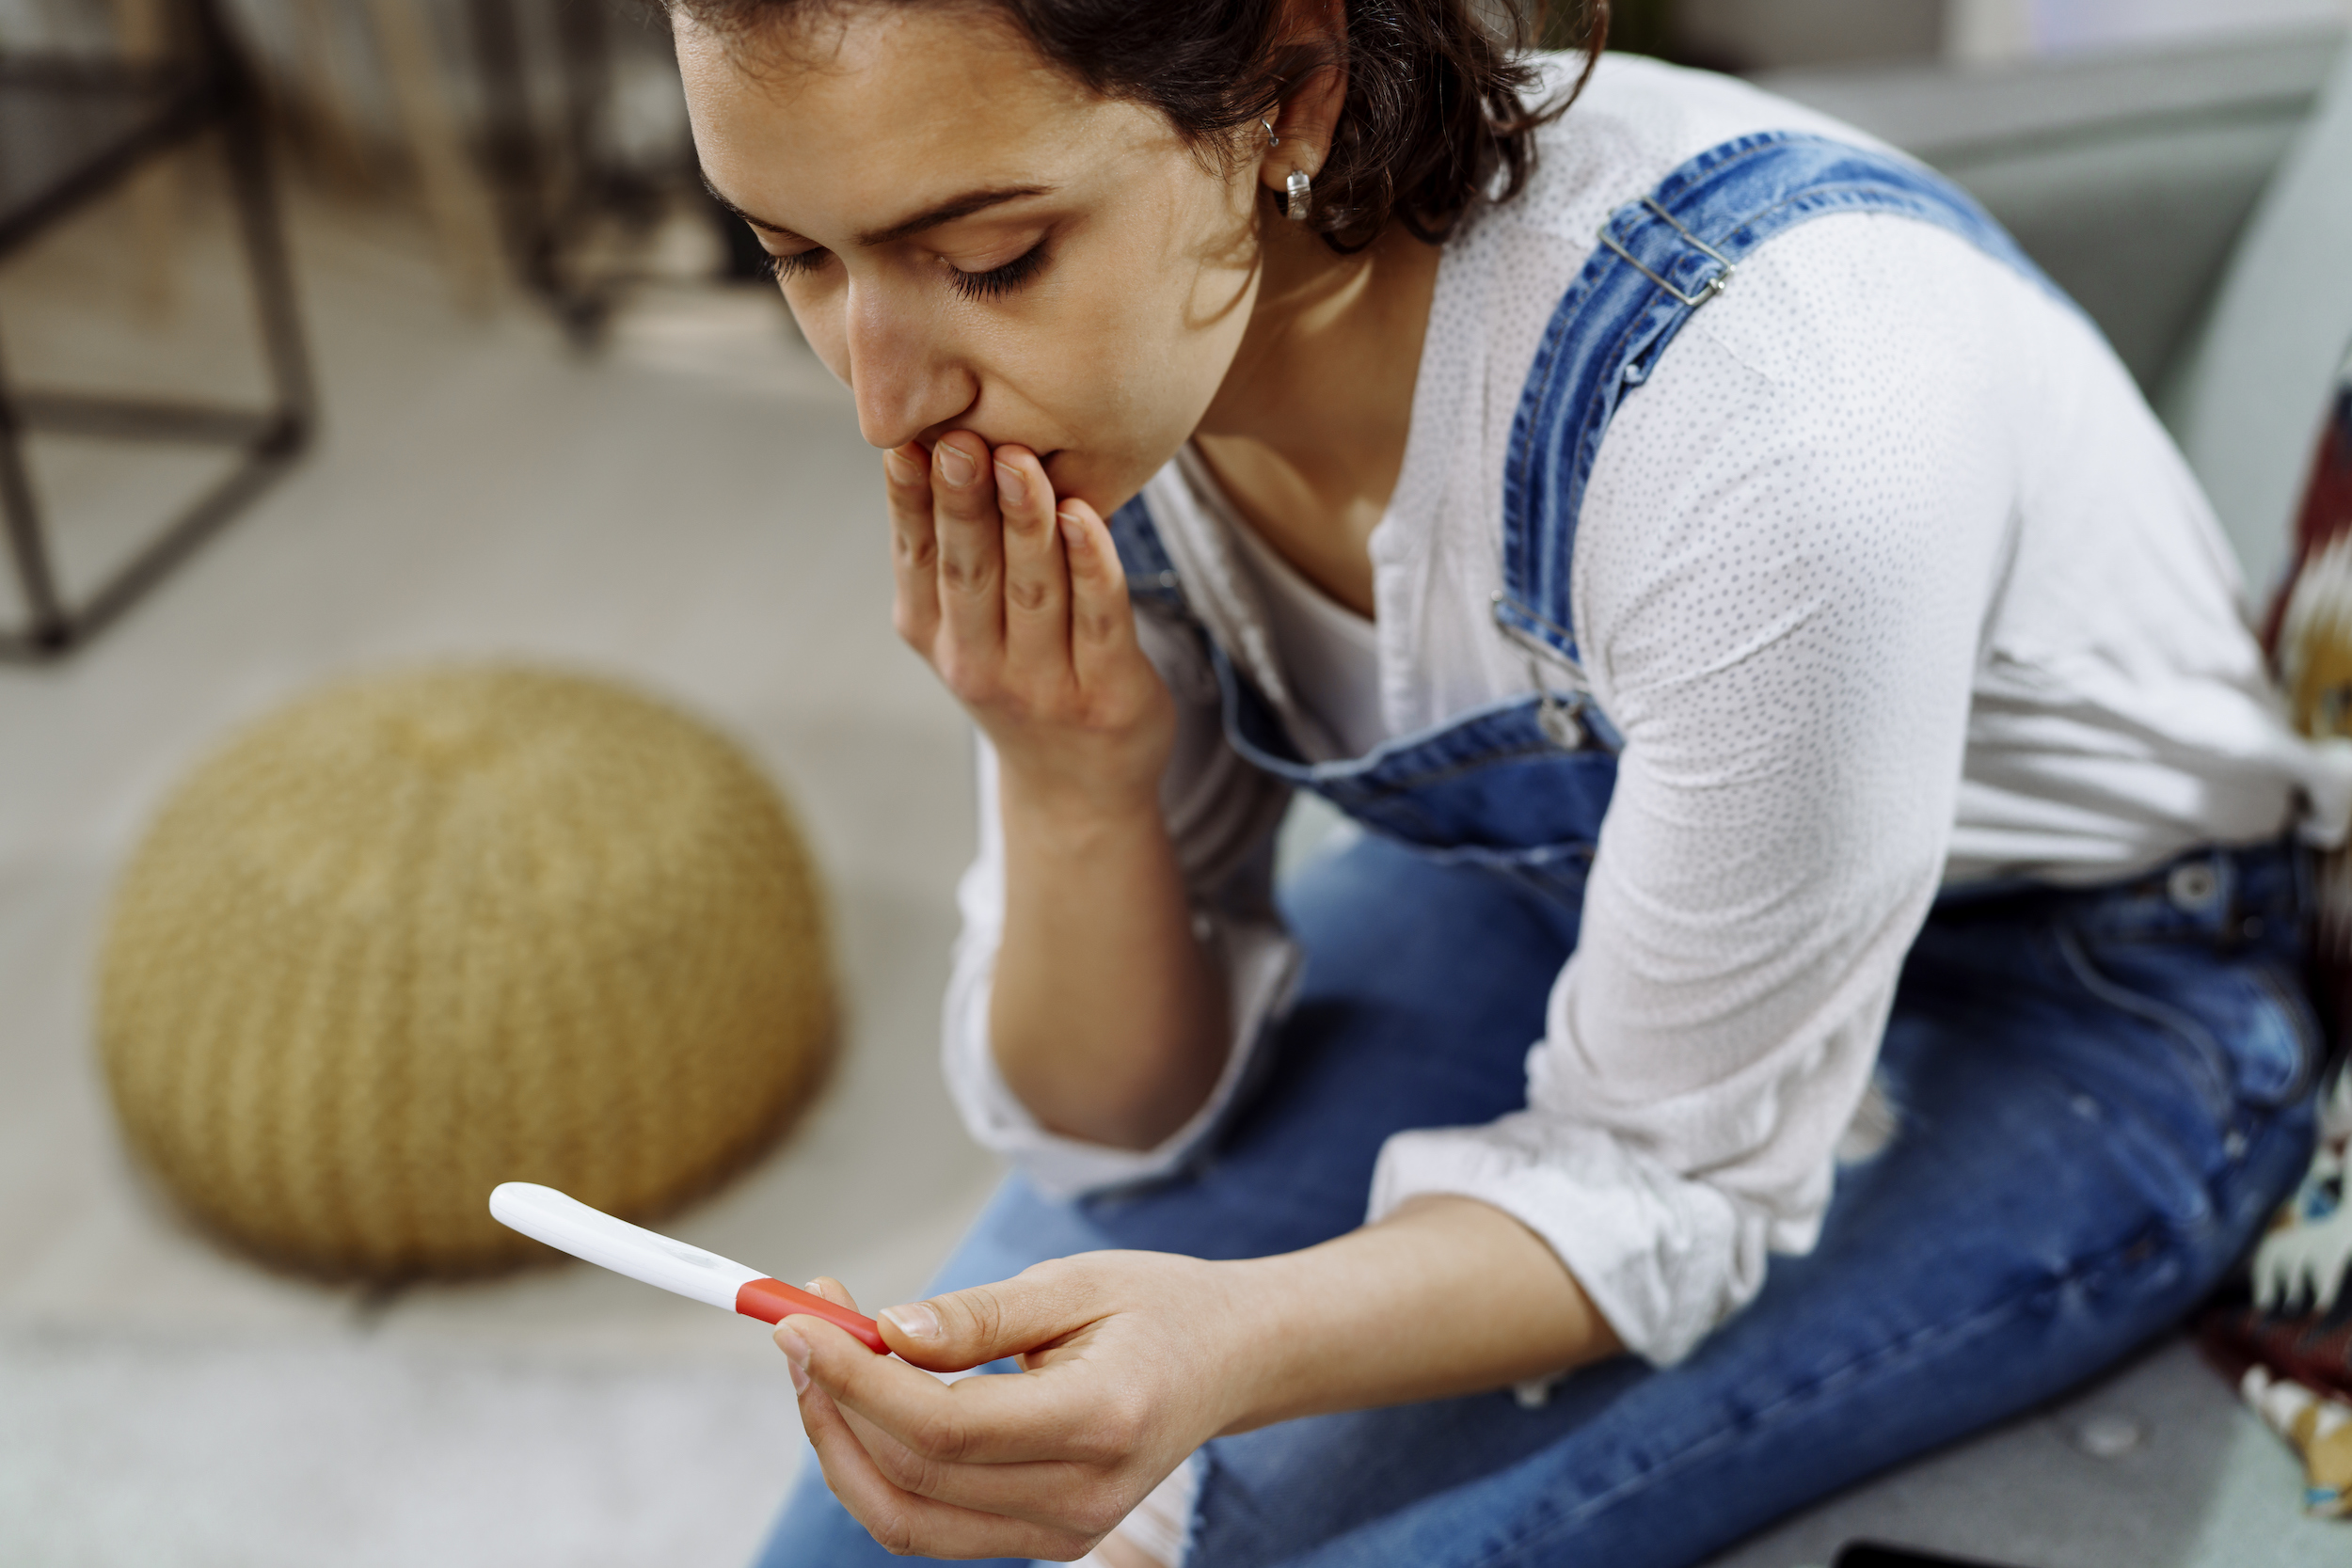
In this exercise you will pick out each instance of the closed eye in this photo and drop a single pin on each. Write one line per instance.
(999, 282)
(798, 264)
(995, 283)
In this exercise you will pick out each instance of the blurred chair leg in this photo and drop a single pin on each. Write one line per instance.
(453, 199)
(271, 440)
(44, 631)
(593, 197)
(515, 170)
(587, 63)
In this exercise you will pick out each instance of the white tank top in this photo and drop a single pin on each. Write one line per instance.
(1331, 654)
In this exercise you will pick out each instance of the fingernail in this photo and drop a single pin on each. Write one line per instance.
(955, 465)
(1010, 487)
(902, 468)
(917, 1321)
(794, 1356)
(1073, 528)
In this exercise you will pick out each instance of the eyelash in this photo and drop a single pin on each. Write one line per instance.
(798, 263)
(999, 282)
(992, 284)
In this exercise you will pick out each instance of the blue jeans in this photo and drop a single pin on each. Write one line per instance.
(2101, 1095)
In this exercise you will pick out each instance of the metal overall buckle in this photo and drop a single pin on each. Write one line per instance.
(1708, 289)
(1557, 717)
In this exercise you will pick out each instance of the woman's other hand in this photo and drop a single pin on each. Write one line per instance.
(1106, 1017)
(1119, 1386)
(1020, 605)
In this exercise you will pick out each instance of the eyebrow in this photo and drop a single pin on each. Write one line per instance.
(946, 212)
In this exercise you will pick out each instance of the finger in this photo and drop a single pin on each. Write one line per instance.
(1011, 1420)
(905, 1523)
(832, 1291)
(947, 1333)
(1037, 582)
(1102, 622)
(913, 542)
(971, 548)
(1057, 1494)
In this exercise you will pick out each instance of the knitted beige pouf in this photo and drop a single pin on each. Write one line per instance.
(414, 936)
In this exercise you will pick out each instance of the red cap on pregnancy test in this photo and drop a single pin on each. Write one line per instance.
(591, 1234)
(772, 1301)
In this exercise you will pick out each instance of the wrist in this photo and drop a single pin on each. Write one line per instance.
(1269, 1308)
(1051, 807)
(1448, 1296)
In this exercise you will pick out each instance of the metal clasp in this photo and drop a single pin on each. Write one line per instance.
(1557, 717)
(1707, 290)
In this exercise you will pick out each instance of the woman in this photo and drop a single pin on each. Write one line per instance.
(1817, 974)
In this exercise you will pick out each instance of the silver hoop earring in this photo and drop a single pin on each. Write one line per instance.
(1271, 139)
(1297, 196)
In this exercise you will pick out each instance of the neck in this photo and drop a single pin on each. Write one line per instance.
(1307, 433)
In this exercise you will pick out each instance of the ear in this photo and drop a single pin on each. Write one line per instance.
(1309, 114)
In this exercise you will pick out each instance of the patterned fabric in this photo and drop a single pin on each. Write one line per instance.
(2307, 1350)
(2310, 645)
(2309, 638)
(2291, 1352)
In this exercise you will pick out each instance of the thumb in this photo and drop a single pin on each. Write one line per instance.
(963, 1329)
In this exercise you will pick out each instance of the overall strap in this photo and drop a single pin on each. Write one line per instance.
(1151, 574)
(1659, 258)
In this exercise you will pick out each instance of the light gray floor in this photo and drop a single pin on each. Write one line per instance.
(694, 512)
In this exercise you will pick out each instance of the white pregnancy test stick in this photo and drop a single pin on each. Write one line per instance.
(591, 1234)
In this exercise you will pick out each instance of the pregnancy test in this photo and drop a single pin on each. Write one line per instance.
(593, 1236)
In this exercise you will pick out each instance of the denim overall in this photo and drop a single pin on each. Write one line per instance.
(1522, 786)
(2102, 1092)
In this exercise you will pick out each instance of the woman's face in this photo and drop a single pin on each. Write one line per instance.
(972, 241)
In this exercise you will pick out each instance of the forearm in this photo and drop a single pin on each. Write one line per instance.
(1107, 1017)
(1136, 1358)
(1447, 1296)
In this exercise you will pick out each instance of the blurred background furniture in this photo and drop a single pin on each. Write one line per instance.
(74, 127)
(560, 184)
(546, 139)
(429, 120)
(413, 935)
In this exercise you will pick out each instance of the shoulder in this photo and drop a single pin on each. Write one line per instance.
(1635, 123)
(1846, 302)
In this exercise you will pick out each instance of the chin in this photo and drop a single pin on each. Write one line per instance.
(1071, 475)
(1105, 486)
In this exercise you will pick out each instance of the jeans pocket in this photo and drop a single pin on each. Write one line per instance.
(2240, 1019)
(2297, 1045)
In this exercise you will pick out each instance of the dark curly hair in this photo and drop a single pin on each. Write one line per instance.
(1437, 89)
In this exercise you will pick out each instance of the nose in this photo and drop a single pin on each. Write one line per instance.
(905, 375)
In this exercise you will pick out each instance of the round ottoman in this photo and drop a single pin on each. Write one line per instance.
(416, 935)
